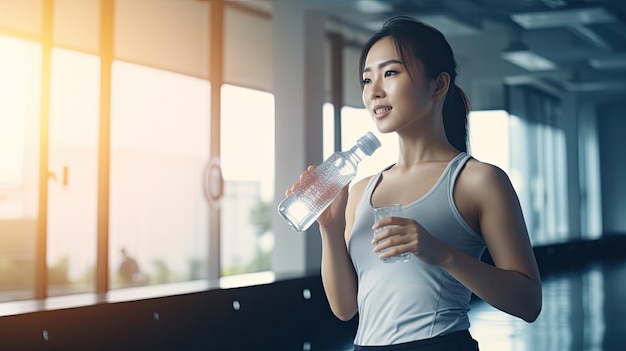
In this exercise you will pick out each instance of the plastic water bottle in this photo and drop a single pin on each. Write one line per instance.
(302, 207)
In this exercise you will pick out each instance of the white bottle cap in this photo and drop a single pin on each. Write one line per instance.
(368, 143)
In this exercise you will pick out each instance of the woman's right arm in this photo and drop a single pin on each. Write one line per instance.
(335, 223)
(338, 275)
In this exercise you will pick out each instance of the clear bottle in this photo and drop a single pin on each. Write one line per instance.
(302, 207)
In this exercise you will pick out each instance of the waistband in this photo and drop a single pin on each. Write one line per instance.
(457, 341)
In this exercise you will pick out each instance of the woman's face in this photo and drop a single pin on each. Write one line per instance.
(391, 97)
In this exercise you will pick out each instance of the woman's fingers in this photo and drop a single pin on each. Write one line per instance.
(303, 175)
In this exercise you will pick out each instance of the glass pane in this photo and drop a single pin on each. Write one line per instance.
(538, 172)
(523, 149)
(73, 167)
(247, 156)
(489, 137)
(589, 166)
(20, 105)
(533, 155)
(159, 215)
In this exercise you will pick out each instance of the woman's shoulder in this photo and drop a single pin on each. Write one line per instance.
(481, 187)
(481, 178)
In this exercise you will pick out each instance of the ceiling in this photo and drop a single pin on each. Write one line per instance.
(583, 40)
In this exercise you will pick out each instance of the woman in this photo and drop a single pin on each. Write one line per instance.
(454, 207)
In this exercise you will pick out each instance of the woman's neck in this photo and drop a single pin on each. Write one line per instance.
(414, 151)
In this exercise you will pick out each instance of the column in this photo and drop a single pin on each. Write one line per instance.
(298, 86)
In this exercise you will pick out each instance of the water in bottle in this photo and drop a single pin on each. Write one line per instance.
(318, 190)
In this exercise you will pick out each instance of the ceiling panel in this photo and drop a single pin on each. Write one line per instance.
(583, 37)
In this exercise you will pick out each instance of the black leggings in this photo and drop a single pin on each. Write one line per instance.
(457, 341)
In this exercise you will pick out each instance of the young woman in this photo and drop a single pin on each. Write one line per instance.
(454, 207)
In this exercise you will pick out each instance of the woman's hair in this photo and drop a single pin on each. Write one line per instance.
(418, 43)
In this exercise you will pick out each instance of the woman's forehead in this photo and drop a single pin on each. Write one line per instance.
(383, 50)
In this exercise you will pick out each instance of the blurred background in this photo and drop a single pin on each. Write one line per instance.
(145, 144)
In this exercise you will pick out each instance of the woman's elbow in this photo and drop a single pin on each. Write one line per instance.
(532, 314)
(343, 315)
(533, 308)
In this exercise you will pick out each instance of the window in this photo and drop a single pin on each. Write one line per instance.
(20, 104)
(533, 156)
(73, 171)
(538, 157)
(160, 144)
(489, 138)
(247, 158)
(589, 173)
(159, 215)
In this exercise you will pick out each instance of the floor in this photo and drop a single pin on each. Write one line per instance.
(582, 311)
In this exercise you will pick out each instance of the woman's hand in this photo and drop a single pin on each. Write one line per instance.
(303, 175)
(333, 218)
(406, 235)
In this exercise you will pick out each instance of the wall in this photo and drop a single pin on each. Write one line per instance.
(280, 316)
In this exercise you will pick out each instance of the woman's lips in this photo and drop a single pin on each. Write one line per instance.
(381, 111)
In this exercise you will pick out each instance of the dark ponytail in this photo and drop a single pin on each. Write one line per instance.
(420, 44)
(456, 107)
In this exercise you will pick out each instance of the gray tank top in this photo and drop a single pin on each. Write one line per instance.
(402, 302)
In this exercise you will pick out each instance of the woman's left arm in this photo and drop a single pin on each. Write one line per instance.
(513, 285)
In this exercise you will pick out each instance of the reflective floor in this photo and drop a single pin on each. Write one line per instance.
(583, 310)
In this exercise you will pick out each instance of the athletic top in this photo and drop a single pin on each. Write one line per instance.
(408, 301)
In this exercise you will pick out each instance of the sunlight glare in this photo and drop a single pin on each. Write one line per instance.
(16, 96)
(247, 149)
(489, 137)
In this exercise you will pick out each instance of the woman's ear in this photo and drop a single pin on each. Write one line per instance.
(442, 84)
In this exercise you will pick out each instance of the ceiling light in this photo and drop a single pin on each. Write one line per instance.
(449, 26)
(536, 81)
(373, 6)
(563, 18)
(591, 36)
(373, 25)
(519, 54)
(594, 86)
(610, 62)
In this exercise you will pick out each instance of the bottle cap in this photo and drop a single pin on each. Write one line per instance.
(368, 143)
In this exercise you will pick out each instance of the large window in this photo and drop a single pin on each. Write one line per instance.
(159, 151)
(533, 156)
(20, 104)
(156, 136)
(538, 161)
(59, 131)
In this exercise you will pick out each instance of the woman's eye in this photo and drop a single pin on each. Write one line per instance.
(366, 81)
(390, 73)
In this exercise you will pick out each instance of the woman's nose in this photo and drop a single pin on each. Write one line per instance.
(376, 89)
